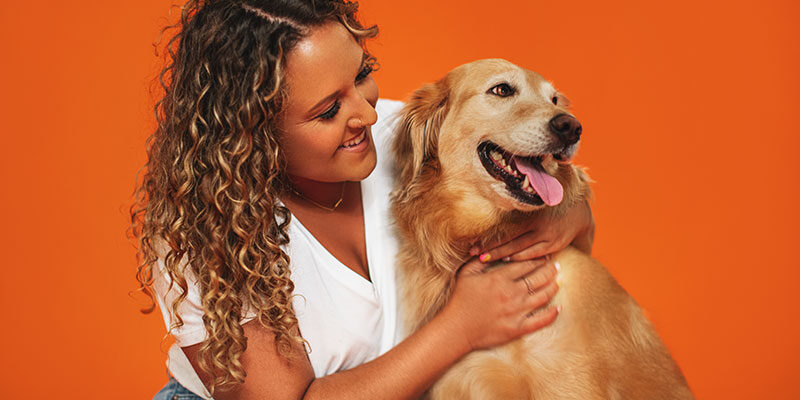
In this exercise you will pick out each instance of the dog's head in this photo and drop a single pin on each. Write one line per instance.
(492, 129)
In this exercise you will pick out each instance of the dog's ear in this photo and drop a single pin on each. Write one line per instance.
(418, 131)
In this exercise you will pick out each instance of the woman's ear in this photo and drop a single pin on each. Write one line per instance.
(417, 132)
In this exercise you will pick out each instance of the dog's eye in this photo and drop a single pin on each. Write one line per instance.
(502, 90)
(554, 100)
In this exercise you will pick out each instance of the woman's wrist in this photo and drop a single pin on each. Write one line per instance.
(450, 324)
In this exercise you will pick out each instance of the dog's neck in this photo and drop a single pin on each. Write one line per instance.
(447, 232)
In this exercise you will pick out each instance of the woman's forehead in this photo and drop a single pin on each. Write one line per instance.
(322, 63)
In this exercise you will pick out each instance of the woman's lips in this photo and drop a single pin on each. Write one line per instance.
(357, 143)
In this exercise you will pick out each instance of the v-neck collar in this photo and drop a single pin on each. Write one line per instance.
(343, 272)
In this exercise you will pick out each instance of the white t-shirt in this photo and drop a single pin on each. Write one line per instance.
(346, 319)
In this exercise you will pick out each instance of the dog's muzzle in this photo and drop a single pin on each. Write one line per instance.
(524, 176)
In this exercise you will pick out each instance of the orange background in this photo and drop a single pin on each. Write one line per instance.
(688, 109)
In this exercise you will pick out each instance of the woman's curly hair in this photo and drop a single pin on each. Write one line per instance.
(207, 200)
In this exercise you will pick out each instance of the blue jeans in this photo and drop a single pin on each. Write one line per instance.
(175, 391)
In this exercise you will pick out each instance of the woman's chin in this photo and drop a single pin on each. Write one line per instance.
(366, 166)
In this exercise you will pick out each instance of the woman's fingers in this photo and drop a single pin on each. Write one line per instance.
(523, 241)
(527, 246)
(504, 302)
(535, 251)
(537, 314)
(472, 266)
(542, 236)
(538, 279)
(517, 270)
(539, 319)
(542, 296)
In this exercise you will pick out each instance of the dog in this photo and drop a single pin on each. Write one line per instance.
(478, 154)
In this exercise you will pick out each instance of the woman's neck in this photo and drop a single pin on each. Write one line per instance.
(326, 195)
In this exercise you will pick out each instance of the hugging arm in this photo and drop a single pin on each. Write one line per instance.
(487, 308)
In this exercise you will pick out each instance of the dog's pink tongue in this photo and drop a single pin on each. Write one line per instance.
(548, 188)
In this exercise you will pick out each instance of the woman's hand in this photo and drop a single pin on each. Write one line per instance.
(492, 307)
(487, 308)
(544, 236)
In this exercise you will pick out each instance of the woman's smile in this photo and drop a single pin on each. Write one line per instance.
(358, 143)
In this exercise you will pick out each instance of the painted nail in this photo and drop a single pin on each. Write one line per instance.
(557, 265)
(485, 257)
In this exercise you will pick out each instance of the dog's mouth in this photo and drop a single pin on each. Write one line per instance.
(524, 176)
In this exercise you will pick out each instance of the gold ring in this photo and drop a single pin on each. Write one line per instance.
(528, 285)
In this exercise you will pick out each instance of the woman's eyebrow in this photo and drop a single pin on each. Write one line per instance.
(323, 101)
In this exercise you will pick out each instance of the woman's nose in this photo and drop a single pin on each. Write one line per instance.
(365, 116)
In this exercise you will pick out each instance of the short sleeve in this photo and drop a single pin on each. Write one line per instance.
(190, 309)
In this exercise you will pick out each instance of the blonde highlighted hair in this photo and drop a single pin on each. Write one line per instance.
(208, 195)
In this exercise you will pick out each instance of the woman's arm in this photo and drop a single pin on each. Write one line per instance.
(487, 308)
(545, 235)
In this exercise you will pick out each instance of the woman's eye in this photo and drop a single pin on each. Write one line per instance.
(502, 90)
(331, 111)
(554, 100)
(364, 72)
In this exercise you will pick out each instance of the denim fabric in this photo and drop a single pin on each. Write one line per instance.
(175, 391)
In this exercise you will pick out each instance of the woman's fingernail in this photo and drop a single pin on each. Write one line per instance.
(557, 265)
(474, 251)
(485, 257)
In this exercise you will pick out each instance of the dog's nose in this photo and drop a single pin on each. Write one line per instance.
(566, 128)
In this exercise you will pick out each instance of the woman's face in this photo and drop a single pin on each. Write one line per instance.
(325, 123)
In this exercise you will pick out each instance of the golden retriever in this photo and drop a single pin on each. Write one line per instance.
(478, 153)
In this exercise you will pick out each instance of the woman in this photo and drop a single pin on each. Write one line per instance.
(264, 165)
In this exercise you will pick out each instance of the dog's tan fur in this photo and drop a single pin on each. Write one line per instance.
(601, 346)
